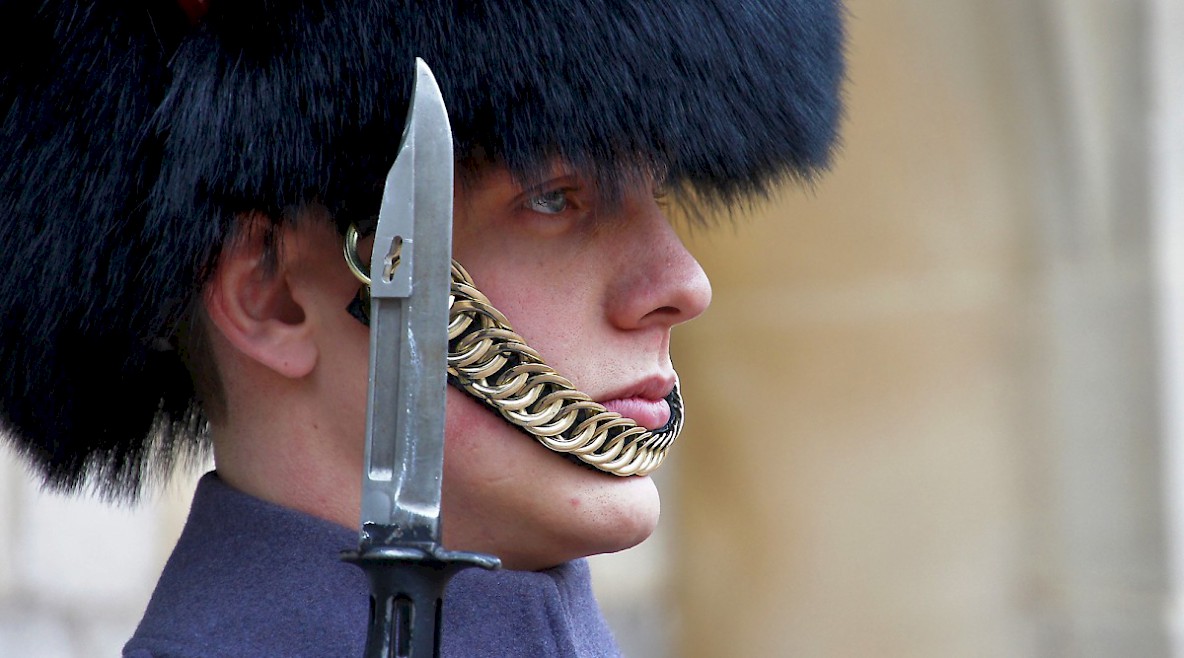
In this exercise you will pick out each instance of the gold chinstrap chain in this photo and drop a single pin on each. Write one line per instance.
(495, 365)
(488, 360)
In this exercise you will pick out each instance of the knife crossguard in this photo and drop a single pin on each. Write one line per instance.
(488, 360)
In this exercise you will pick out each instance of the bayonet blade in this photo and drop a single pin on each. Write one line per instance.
(409, 288)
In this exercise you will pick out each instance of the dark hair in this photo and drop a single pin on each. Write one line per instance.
(132, 140)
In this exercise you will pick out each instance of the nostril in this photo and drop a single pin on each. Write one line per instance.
(670, 315)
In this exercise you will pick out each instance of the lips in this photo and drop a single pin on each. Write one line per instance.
(650, 414)
(644, 402)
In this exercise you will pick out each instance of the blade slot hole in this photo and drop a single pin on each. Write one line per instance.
(393, 256)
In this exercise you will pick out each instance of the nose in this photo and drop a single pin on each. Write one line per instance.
(660, 284)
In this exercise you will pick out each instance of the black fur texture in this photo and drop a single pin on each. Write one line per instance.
(132, 139)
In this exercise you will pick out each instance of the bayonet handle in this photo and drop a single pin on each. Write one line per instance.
(406, 596)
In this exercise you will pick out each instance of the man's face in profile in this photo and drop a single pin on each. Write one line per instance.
(595, 288)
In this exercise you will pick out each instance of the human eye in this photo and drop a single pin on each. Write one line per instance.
(551, 202)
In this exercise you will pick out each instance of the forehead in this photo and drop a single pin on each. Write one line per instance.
(478, 178)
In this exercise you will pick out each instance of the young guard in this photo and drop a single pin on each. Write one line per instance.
(176, 184)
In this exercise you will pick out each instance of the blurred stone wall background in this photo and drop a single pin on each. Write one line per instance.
(935, 409)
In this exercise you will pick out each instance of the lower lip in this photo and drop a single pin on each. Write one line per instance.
(650, 414)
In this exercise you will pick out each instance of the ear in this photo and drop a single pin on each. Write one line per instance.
(251, 303)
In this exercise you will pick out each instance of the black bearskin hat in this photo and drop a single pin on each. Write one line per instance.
(134, 133)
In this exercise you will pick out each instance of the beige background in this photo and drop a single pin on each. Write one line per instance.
(854, 482)
(928, 405)
(935, 409)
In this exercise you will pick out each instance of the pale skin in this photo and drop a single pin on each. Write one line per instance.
(595, 289)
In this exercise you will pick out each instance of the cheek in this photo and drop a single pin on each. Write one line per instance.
(469, 453)
(552, 292)
(564, 320)
(484, 452)
(490, 474)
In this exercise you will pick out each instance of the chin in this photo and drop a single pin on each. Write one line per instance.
(507, 495)
(578, 513)
(612, 513)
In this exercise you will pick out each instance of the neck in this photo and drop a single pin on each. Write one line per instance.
(292, 460)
